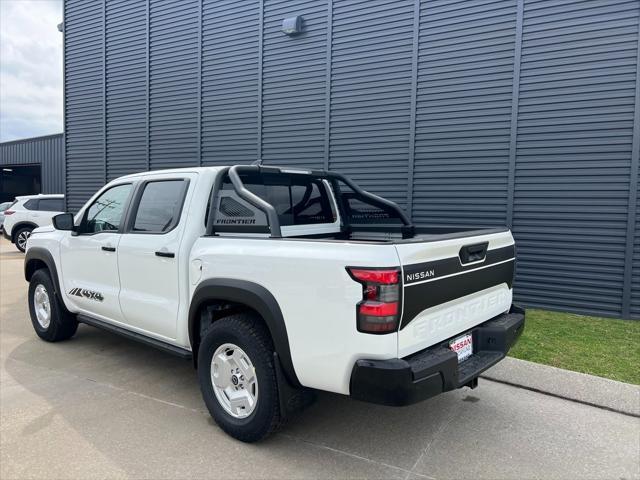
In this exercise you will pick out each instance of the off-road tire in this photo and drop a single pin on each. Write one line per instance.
(62, 324)
(249, 333)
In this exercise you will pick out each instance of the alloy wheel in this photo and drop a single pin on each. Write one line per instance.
(22, 239)
(42, 306)
(234, 379)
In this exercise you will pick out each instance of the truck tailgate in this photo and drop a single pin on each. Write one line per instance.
(453, 284)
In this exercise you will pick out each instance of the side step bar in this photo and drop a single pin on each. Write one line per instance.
(159, 344)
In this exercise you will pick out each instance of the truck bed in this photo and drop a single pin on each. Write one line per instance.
(422, 234)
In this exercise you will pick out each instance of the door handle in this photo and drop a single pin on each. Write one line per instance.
(165, 254)
(109, 249)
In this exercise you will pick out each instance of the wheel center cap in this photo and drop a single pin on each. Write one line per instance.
(235, 380)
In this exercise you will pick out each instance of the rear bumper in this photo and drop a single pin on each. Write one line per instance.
(403, 381)
(5, 234)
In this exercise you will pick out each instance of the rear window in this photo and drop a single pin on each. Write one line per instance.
(51, 204)
(31, 204)
(297, 200)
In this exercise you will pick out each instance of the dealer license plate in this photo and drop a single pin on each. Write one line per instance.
(463, 346)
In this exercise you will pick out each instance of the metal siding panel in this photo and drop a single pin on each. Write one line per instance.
(47, 151)
(230, 32)
(575, 125)
(84, 121)
(632, 288)
(343, 97)
(371, 61)
(463, 115)
(126, 72)
(51, 154)
(294, 85)
(635, 277)
(173, 109)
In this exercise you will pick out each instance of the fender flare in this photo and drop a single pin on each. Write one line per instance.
(42, 255)
(18, 226)
(254, 296)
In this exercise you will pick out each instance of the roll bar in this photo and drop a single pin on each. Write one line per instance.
(253, 199)
(270, 211)
(374, 198)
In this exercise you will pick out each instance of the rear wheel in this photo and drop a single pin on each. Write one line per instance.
(21, 238)
(238, 379)
(50, 319)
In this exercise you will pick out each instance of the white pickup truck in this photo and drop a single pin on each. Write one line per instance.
(276, 282)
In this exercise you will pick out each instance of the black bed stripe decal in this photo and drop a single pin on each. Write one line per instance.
(419, 272)
(420, 295)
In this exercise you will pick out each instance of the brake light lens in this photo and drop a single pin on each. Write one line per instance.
(379, 310)
(386, 276)
(9, 212)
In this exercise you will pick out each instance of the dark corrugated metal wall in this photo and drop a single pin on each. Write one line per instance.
(487, 112)
(84, 95)
(631, 295)
(575, 133)
(229, 88)
(47, 151)
(126, 112)
(634, 284)
(463, 112)
(370, 116)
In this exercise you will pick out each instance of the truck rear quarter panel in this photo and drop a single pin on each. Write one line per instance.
(315, 293)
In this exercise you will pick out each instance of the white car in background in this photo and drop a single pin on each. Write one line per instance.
(27, 213)
(3, 206)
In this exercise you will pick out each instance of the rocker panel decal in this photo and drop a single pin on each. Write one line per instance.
(81, 292)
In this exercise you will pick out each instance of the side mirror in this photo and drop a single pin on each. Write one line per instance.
(63, 221)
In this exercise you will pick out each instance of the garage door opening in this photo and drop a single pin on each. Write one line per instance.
(19, 180)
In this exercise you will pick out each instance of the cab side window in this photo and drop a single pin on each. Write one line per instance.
(107, 211)
(160, 206)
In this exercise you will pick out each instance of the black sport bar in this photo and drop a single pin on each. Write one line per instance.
(269, 210)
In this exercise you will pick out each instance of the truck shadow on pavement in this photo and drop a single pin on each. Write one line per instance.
(97, 373)
(139, 410)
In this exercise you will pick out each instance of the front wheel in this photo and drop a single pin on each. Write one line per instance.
(22, 236)
(238, 379)
(51, 321)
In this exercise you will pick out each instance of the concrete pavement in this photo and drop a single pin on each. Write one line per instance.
(99, 406)
(579, 387)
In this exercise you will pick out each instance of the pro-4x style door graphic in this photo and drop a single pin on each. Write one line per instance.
(89, 257)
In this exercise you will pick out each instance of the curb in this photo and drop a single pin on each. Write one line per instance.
(587, 389)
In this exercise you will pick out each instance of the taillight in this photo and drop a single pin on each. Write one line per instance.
(9, 212)
(379, 310)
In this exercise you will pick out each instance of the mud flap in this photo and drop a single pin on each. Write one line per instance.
(292, 399)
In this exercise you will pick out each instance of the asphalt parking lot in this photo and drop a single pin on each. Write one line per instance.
(99, 406)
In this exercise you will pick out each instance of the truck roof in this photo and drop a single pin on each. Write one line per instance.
(213, 169)
(176, 170)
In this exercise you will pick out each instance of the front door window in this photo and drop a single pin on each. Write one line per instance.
(106, 212)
